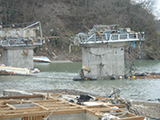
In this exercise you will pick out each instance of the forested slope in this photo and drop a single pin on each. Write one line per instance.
(65, 18)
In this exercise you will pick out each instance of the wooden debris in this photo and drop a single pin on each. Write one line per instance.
(11, 106)
(41, 109)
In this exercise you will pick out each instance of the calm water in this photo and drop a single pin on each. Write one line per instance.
(59, 76)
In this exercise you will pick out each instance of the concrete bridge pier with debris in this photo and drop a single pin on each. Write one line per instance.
(17, 43)
(103, 50)
(18, 56)
(104, 60)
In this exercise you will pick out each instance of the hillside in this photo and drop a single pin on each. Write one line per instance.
(65, 18)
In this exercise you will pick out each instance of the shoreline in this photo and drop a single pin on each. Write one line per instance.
(52, 61)
(61, 61)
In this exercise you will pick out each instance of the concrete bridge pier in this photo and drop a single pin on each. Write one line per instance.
(18, 56)
(104, 60)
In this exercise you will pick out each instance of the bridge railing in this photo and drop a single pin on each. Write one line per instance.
(16, 37)
(20, 42)
(108, 37)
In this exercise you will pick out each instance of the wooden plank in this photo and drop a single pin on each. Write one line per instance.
(54, 98)
(133, 118)
(35, 104)
(130, 114)
(11, 106)
(47, 102)
(18, 111)
(43, 101)
(2, 106)
(4, 109)
(104, 109)
(3, 102)
(38, 113)
(55, 95)
(95, 106)
(40, 105)
(118, 105)
(55, 105)
(21, 97)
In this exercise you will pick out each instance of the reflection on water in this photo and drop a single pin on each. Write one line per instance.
(148, 65)
(59, 76)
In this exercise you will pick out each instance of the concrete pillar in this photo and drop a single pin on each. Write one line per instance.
(104, 60)
(18, 57)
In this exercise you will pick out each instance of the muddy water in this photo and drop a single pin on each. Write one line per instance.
(59, 76)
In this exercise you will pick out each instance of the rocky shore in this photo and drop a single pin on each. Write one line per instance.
(64, 91)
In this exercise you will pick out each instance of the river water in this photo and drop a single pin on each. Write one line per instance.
(59, 76)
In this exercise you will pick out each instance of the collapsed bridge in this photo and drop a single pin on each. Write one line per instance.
(17, 43)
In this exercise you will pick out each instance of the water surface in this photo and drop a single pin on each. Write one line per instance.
(59, 76)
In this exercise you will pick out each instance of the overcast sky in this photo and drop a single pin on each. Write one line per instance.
(158, 8)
